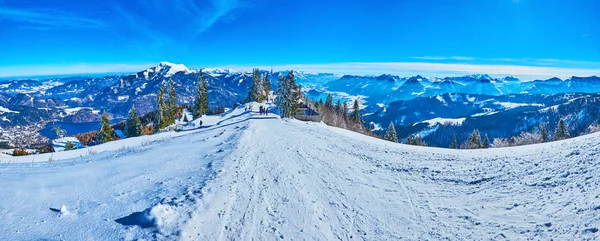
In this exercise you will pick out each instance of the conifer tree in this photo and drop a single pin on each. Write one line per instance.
(561, 132)
(201, 102)
(345, 111)
(474, 141)
(329, 102)
(356, 116)
(106, 131)
(289, 94)
(486, 142)
(171, 103)
(415, 141)
(160, 117)
(544, 133)
(256, 92)
(454, 143)
(267, 85)
(390, 134)
(133, 125)
(338, 107)
(69, 146)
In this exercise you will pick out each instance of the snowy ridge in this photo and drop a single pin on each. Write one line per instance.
(443, 121)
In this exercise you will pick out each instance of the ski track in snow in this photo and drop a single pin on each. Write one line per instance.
(263, 178)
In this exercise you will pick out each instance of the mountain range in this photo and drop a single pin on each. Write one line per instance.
(499, 106)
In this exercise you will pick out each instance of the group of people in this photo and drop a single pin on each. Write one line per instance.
(264, 110)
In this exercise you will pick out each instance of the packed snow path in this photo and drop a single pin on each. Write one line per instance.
(263, 178)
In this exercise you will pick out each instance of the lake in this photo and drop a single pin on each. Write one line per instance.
(72, 128)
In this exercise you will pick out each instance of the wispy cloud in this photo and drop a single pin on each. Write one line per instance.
(459, 58)
(208, 14)
(155, 29)
(435, 69)
(48, 19)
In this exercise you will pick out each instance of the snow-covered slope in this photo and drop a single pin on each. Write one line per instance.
(250, 176)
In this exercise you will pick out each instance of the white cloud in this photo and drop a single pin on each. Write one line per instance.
(459, 58)
(48, 19)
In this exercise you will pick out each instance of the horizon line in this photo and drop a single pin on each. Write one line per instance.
(402, 69)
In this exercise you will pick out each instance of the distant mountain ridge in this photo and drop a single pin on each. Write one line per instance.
(83, 98)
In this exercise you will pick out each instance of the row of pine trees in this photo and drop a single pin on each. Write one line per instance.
(260, 88)
(339, 115)
(475, 141)
(164, 116)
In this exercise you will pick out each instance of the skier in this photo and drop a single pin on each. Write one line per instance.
(200, 124)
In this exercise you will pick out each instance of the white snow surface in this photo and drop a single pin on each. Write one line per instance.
(246, 176)
(510, 105)
(172, 68)
(444, 121)
(6, 110)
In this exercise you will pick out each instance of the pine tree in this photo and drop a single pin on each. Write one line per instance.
(356, 116)
(69, 146)
(544, 133)
(474, 141)
(289, 94)
(486, 142)
(267, 85)
(171, 103)
(390, 134)
(160, 118)
(256, 92)
(415, 141)
(338, 107)
(329, 102)
(106, 131)
(345, 111)
(201, 102)
(454, 143)
(133, 125)
(561, 132)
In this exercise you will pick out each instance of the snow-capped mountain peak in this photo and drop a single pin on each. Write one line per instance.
(169, 69)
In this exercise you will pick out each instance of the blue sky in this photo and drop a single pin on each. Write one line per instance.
(518, 37)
